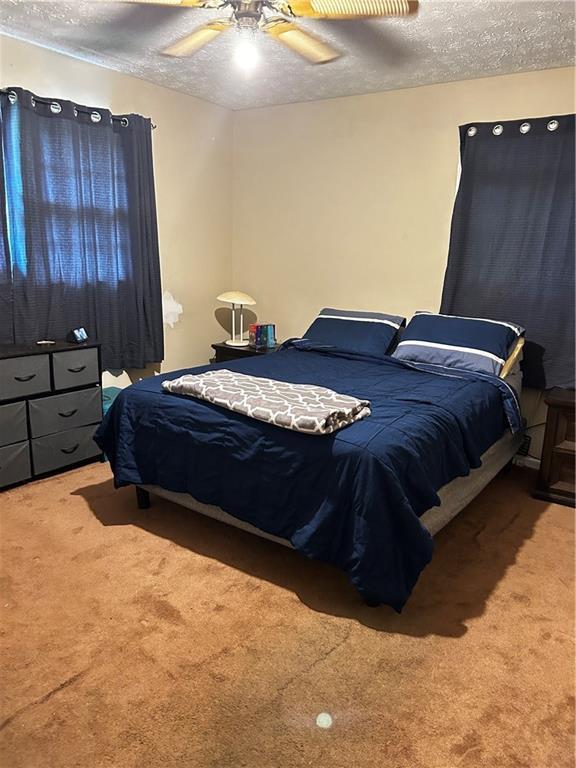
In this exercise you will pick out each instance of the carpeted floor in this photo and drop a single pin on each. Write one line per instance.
(162, 639)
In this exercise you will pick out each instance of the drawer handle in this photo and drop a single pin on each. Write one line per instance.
(25, 378)
(67, 414)
(77, 370)
(70, 450)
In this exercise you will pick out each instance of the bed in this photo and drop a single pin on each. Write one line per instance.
(367, 499)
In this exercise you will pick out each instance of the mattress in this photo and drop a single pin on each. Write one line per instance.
(454, 496)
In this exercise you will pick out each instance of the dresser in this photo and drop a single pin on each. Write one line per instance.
(558, 463)
(50, 407)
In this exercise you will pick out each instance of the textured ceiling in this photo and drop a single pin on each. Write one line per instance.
(446, 41)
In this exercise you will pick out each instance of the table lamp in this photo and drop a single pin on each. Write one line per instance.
(237, 299)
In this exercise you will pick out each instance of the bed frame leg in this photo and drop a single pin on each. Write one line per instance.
(142, 498)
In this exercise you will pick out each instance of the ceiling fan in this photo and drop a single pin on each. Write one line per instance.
(275, 18)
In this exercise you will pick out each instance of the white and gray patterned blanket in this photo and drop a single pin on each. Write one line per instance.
(300, 407)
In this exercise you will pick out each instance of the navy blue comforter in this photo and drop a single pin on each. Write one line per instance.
(352, 498)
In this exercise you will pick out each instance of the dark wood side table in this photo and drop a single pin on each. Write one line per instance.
(556, 481)
(225, 352)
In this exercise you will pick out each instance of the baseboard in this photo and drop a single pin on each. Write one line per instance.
(526, 461)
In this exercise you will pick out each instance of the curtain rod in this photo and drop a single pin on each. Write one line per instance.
(50, 101)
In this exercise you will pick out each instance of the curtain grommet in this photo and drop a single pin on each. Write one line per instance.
(124, 122)
(95, 117)
(498, 130)
(12, 97)
(525, 127)
(33, 101)
(553, 125)
(75, 112)
(55, 108)
(472, 131)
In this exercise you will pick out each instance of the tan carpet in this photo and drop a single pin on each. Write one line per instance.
(162, 639)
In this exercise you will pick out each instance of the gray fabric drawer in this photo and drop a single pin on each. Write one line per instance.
(13, 426)
(59, 450)
(74, 409)
(14, 464)
(75, 368)
(23, 376)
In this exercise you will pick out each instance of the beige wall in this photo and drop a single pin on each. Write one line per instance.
(193, 165)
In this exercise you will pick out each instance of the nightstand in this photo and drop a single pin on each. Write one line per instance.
(225, 352)
(556, 480)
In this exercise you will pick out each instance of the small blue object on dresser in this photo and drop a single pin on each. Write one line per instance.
(469, 343)
(369, 333)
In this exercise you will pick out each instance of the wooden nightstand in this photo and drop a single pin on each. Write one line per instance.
(225, 352)
(556, 480)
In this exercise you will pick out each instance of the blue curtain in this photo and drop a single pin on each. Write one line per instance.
(512, 242)
(6, 299)
(79, 237)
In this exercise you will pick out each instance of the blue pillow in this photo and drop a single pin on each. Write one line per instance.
(369, 333)
(458, 342)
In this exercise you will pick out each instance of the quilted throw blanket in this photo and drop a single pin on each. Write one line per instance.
(300, 407)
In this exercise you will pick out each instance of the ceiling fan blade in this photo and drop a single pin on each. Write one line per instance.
(198, 39)
(351, 9)
(302, 42)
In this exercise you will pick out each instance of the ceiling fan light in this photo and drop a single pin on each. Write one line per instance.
(246, 55)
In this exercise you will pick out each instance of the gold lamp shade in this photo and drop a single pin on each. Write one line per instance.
(240, 299)
(236, 297)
